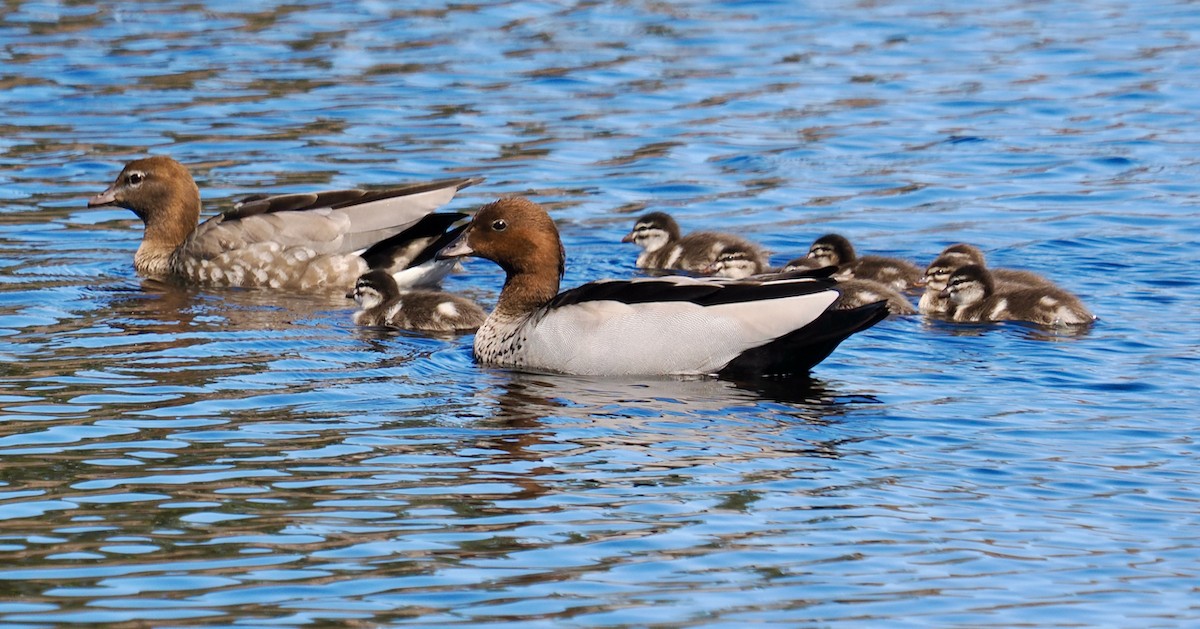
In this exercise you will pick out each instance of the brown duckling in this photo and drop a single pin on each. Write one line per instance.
(382, 303)
(836, 250)
(975, 297)
(937, 275)
(665, 248)
(858, 292)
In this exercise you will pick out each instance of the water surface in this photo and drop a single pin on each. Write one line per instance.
(233, 458)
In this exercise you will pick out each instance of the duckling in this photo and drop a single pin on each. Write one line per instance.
(937, 275)
(974, 297)
(836, 250)
(645, 326)
(382, 303)
(858, 292)
(307, 241)
(736, 261)
(664, 248)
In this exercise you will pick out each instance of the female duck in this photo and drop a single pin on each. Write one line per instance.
(937, 276)
(664, 248)
(836, 250)
(382, 303)
(294, 241)
(646, 326)
(974, 297)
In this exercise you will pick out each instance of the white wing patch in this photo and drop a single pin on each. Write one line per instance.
(676, 253)
(999, 311)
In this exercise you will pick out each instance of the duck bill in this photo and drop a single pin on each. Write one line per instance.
(628, 237)
(108, 197)
(456, 249)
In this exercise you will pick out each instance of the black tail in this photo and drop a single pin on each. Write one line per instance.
(799, 350)
(415, 245)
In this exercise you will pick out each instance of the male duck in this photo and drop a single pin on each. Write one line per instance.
(293, 241)
(646, 326)
(937, 276)
(665, 248)
(836, 250)
(383, 303)
(974, 297)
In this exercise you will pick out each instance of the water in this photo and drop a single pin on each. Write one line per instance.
(229, 458)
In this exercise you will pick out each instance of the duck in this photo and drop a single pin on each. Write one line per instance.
(937, 275)
(383, 303)
(305, 241)
(836, 250)
(856, 292)
(975, 297)
(648, 326)
(665, 248)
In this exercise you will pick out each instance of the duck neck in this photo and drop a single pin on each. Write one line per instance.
(166, 230)
(524, 293)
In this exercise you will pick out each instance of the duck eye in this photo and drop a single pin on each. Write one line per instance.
(136, 177)
(499, 225)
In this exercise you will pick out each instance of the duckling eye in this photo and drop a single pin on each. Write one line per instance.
(499, 225)
(136, 177)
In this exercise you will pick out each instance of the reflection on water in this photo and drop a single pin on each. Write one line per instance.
(173, 456)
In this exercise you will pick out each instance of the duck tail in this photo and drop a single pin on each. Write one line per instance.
(412, 250)
(796, 352)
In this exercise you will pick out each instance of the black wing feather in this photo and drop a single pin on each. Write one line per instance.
(431, 226)
(701, 293)
(335, 199)
(798, 351)
(409, 189)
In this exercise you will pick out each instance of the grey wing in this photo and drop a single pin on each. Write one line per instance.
(331, 222)
(322, 232)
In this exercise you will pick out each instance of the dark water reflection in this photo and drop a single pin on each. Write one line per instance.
(171, 457)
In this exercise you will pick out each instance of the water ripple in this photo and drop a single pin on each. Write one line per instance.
(173, 456)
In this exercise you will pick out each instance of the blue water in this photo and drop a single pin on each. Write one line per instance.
(176, 457)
